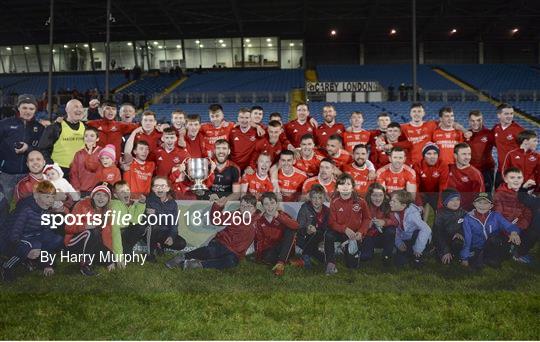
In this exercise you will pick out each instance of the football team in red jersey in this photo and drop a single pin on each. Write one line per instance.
(380, 184)
(416, 156)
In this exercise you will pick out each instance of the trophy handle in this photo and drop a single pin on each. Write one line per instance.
(209, 168)
(185, 162)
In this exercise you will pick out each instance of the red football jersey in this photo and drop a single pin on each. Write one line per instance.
(257, 185)
(153, 139)
(360, 175)
(109, 174)
(291, 185)
(165, 161)
(139, 177)
(393, 181)
(342, 158)
(323, 132)
(25, 187)
(294, 131)
(418, 136)
(447, 140)
(468, 181)
(380, 158)
(528, 162)
(431, 179)
(211, 133)
(505, 140)
(351, 139)
(482, 143)
(264, 146)
(329, 187)
(112, 132)
(242, 146)
(309, 167)
(196, 148)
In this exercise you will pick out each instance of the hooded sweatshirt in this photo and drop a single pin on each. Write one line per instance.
(409, 222)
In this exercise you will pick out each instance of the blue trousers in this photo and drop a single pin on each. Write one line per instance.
(215, 255)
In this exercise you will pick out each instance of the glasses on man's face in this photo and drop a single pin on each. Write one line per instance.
(161, 186)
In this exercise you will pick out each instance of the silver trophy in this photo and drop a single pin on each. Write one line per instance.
(197, 171)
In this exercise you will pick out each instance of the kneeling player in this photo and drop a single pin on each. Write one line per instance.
(229, 246)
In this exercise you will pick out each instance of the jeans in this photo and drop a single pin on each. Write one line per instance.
(215, 255)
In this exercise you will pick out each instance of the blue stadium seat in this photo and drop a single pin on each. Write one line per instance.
(37, 83)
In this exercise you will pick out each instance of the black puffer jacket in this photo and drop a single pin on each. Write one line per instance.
(308, 216)
(447, 224)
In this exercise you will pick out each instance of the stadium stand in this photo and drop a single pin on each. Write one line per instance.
(496, 79)
(387, 75)
(150, 85)
(37, 83)
(265, 80)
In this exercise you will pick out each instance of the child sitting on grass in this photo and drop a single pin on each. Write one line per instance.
(412, 233)
(313, 221)
(447, 230)
(275, 232)
(484, 243)
(124, 238)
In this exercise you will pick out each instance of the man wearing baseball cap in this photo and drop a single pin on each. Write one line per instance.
(483, 243)
(18, 136)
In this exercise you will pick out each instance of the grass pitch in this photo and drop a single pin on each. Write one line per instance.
(151, 302)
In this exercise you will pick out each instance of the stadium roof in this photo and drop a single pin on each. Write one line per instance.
(24, 21)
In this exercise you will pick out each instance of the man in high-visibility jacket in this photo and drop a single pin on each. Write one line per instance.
(62, 140)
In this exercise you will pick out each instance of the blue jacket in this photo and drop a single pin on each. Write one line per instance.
(14, 130)
(476, 234)
(24, 222)
(169, 207)
(412, 221)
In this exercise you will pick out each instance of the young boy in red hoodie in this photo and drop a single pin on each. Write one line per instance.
(507, 202)
(82, 174)
(349, 222)
(108, 171)
(275, 232)
(525, 157)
